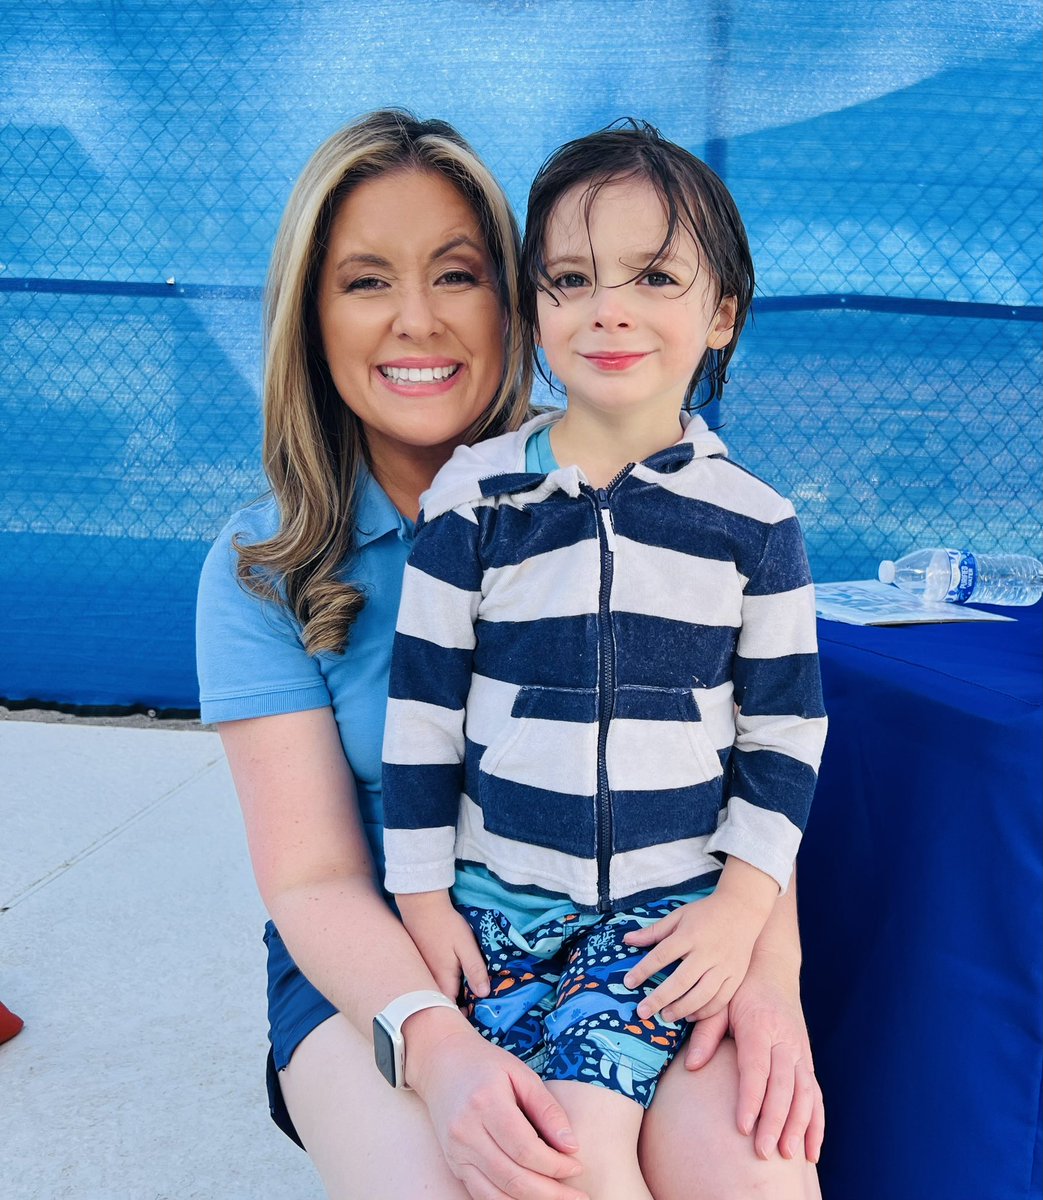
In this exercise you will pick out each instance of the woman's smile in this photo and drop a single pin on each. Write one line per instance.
(420, 376)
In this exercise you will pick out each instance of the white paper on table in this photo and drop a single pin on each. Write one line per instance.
(870, 602)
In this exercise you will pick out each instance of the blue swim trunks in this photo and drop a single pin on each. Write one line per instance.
(558, 1002)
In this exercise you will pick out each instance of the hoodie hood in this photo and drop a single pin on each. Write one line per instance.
(497, 467)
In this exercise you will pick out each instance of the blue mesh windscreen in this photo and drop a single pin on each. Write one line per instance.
(885, 157)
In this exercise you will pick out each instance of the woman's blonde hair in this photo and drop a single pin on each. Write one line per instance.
(314, 446)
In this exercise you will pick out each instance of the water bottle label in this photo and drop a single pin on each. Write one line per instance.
(963, 574)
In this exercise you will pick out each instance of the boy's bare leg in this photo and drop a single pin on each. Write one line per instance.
(607, 1126)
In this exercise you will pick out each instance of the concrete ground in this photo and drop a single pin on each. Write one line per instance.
(130, 945)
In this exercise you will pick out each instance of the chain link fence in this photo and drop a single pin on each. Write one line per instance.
(886, 159)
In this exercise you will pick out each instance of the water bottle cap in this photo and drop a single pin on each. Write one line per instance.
(886, 573)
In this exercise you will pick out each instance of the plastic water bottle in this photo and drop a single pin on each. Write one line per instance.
(961, 577)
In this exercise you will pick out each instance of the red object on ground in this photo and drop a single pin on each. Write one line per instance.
(9, 1024)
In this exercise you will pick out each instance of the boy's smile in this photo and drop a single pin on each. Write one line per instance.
(612, 361)
(621, 335)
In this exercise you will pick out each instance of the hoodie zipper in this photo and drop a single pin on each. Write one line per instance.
(606, 682)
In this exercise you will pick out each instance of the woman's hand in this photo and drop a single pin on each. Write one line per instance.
(502, 1133)
(778, 1091)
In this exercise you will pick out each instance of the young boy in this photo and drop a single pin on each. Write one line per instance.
(605, 679)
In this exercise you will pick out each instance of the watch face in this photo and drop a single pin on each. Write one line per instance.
(384, 1052)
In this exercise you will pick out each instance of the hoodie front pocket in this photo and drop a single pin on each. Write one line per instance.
(657, 742)
(537, 780)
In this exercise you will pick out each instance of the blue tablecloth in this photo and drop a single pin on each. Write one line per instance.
(920, 897)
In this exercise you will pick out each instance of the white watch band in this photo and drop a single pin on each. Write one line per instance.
(389, 1046)
(398, 1011)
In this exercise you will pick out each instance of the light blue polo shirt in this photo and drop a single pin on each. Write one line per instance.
(251, 660)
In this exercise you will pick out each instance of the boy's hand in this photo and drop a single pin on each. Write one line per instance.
(445, 942)
(712, 942)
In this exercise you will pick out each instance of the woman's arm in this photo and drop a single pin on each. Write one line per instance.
(778, 1091)
(312, 863)
(496, 1122)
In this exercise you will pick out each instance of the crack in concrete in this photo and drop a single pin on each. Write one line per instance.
(58, 871)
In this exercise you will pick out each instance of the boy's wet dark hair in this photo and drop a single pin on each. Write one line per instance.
(694, 199)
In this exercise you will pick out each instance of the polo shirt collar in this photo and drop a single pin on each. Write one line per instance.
(376, 515)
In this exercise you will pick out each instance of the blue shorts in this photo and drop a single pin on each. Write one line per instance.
(295, 1008)
(559, 1004)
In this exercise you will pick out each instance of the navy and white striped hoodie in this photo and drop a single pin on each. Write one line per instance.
(599, 693)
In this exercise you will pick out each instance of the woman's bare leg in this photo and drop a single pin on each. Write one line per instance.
(690, 1148)
(607, 1125)
(365, 1139)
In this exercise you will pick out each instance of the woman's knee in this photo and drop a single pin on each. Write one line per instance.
(691, 1147)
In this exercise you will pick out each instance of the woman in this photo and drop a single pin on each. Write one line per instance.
(391, 338)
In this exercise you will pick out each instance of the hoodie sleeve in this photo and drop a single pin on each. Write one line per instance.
(430, 677)
(780, 723)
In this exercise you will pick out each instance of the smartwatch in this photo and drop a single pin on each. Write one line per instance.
(389, 1047)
